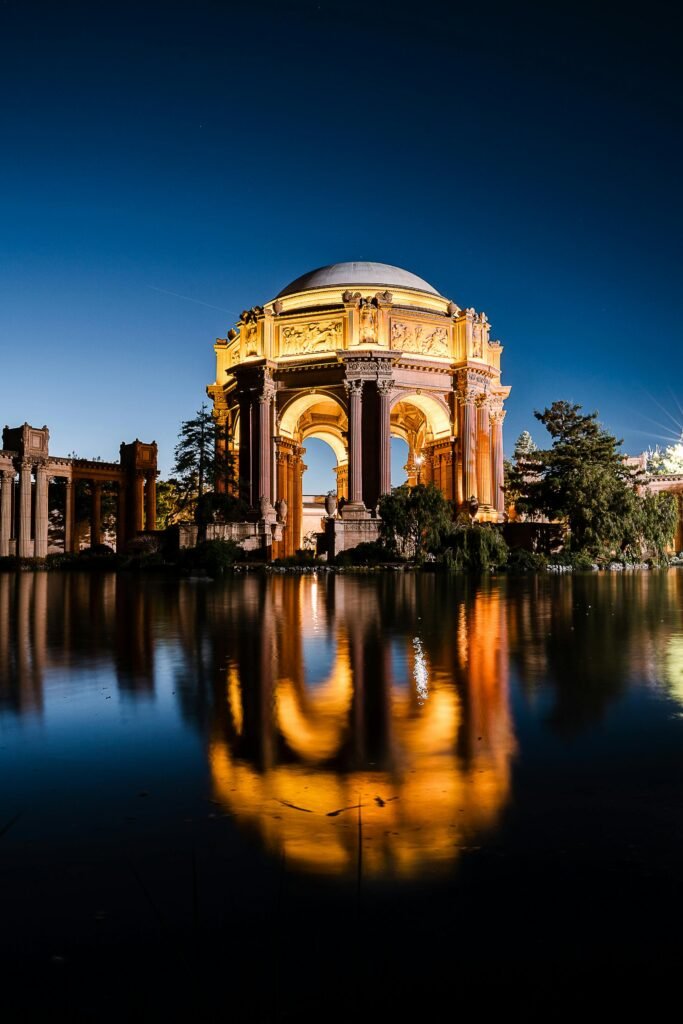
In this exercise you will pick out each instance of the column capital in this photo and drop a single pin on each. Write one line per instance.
(469, 384)
(355, 386)
(385, 386)
(265, 384)
(496, 410)
(8, 474)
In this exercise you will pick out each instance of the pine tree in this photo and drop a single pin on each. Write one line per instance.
(524, 447)
(202, 458)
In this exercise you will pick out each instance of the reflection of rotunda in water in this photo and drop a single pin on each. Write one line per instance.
(416, 730)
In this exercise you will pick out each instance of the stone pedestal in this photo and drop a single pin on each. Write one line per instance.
(348, 532)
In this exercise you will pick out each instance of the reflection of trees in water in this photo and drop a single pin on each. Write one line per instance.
(590, 636)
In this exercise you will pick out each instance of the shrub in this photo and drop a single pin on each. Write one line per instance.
(521, 560)
(367, 553)
(302, 556)
(475, 548)
(145, 544)
(212, 556)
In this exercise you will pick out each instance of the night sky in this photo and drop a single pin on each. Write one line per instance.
(164, 166)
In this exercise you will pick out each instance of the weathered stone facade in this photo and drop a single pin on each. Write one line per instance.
(26, 471)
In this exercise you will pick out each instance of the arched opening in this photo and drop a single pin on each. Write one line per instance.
(424, 424)
(400, 453)
(323, 452)
(312, 433)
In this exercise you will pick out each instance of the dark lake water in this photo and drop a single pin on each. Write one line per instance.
(303, 798)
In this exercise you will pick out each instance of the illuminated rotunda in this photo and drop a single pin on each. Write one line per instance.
(354, 353)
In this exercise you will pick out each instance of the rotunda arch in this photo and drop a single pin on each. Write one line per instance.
(314, 413)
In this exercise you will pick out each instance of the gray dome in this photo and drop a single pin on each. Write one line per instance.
(379, 275)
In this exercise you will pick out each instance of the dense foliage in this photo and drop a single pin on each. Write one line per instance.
(203, 461)
(583, 481)
(414, 520)
(475, 548)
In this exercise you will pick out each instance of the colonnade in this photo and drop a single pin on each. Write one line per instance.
(462, 454)
(470, 465)
(27, 471)
(24, 509)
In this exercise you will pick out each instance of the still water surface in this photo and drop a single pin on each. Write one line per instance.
(311, 798)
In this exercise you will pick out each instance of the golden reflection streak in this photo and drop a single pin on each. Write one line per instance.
(431, 799)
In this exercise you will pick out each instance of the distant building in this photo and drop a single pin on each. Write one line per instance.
(27, 471)
(657, 483)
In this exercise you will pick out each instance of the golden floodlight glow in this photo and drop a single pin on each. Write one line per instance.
(440, 776)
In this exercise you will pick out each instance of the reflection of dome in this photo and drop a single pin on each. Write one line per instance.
(348, 275)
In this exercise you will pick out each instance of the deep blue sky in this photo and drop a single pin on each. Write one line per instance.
(524, 159)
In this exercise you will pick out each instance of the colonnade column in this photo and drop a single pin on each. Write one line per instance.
(468, 441)
(96, 514)
(121, 517)
(265, 446)
(497, 468)
(138, 496)
(282, 492)
(6, 510)
(355, 393)
(299, 470)
(25, 546)
(70, 517)
(483, 450)
(384, 391)
(151, 501)
(41, 518)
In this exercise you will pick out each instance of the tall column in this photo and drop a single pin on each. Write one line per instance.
(484, 492)
(151, 501)
(70, 517)
(291, 502)
(299, 470)
(121, 518)
(497, 467)
(468, 440)
(41, 519)
(384, 390)
(96, 514)
(355, 393)
(25, 544)
(244, 466)
(281, 494)
(138, 506)
(6, 510)
(265, 444)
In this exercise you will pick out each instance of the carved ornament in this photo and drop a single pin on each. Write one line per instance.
(415, 337)
(355, 387)
(368, 322)
(319, 336)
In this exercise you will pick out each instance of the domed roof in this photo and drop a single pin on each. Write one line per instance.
(379, 275)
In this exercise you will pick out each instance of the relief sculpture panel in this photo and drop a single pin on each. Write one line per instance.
(320, 336)
(428, 339)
